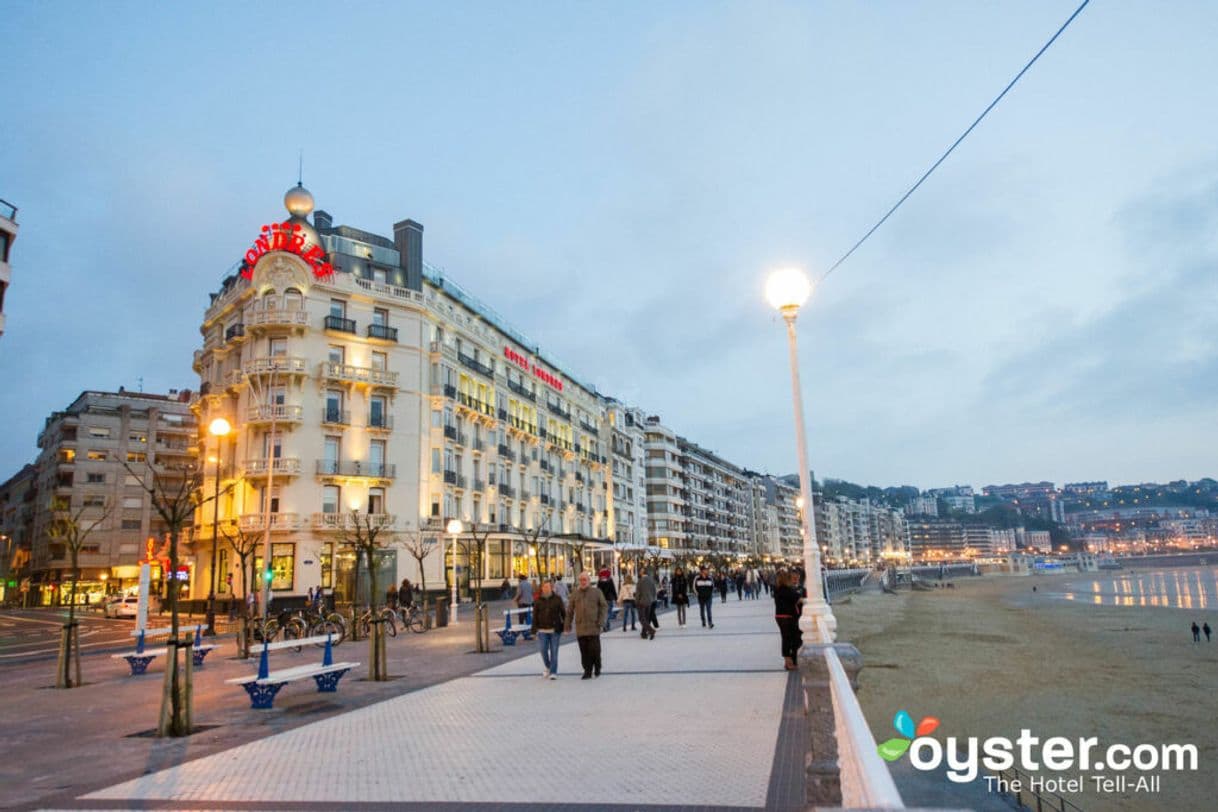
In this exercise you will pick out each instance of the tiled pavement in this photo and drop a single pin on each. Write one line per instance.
(696, 718)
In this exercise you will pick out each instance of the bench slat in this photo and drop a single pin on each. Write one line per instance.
(319, 640)
(159, 632)
(292, 674)
(148, 652)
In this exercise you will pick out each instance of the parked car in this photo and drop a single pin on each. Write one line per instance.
(122, 607)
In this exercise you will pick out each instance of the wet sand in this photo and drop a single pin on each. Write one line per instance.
(990, 657)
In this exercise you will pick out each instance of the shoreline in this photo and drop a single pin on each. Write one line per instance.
(990, 657)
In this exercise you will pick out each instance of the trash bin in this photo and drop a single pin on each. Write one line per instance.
(441, 604)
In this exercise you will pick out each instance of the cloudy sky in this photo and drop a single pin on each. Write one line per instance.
(616, 179)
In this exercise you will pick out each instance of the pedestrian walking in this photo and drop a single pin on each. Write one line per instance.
(549, 617)
(524, 593)
(662, 596)
(560, 589)
(1196, 632)
(704, 588)
(721, 583)
(587, 615)
(739, 585)
(645, 598)
(505, 590)
(604, 582)
(786, 615)
(406, 594)
(680, 595)
(629, 613)
(1206, 628)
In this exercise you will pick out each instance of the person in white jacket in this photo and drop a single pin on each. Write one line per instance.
(626, 598)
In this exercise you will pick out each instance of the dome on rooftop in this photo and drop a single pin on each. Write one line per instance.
(298, 201)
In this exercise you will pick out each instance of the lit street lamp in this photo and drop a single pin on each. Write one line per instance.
(787, 290)
(454, 529)
(219, 428)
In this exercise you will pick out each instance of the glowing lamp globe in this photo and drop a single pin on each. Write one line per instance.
(454, 527)
(219, 427)
(787, 289)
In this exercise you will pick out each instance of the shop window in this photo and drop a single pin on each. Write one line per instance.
(327, 565)
(283, 567)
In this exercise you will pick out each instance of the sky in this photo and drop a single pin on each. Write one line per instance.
(617, 180)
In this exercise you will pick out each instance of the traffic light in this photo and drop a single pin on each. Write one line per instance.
(269, 575)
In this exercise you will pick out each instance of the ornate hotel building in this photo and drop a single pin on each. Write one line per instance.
(378, 386)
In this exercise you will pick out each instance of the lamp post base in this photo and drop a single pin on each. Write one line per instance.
(211, 616)
(818, 615)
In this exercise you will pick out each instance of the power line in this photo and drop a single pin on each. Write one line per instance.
(956, 143)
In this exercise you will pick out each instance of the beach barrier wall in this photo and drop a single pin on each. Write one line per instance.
(857, 778)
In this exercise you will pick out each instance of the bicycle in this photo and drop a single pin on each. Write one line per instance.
(330, 624)
(388, 616)
(412, 618)
(291, 626)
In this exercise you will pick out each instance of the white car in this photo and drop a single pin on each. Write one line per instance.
(122, 607)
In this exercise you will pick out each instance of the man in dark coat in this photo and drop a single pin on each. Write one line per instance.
(645, 600)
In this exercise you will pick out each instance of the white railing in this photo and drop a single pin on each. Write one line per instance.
(347, 521)
(865, 780)
(255, 317)
(283, 465)
(279, 521)
(275, 363)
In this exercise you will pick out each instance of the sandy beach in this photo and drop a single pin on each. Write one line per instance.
(990, 657)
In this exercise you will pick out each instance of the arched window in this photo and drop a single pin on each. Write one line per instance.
(293, 299)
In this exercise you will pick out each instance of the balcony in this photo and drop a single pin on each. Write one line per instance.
(579, 477)
(383, 332)
(545, 464)
(479, 485)
(347, 373)
(280, 522)
(588, 427)
(525, 496)
(519, 389)
(478, 446)
(502, 413)
(450, 477)
(340, 324)
(474, 405)
(259, 318)
(284, 466)
(462, 439)
(273, 364)
(356, 468)
(381, 422)
(233, 380)
(450, 432)
(506, 453)
(462, 483)
(507, 490)
(545, 498)
(335, 417)
(557, 410)
(234, 333)
(522, 425)
(279, 413)
(470, 362)
(347, 521)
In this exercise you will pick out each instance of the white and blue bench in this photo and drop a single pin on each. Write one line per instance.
(142, 656)
(263, 686)
(525, 622)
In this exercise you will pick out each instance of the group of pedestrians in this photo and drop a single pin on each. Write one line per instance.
(585, 610)
(1198, 629)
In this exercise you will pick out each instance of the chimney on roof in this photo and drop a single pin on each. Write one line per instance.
(408, 239)
(322, 220)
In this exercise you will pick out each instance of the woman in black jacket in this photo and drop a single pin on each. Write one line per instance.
(787, 606)
(680, 594)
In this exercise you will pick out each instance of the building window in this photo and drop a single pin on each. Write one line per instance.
(380, 361)
(99, 431)
(338, 308)
(131, 524)
(376, 500)
(329, 499)
(136, 456)
(279, 347)
(96, 456)
(327, 565)
(376, 458)
(377, 413)
(334, 406)
(336, 354)
(283, 566)
(380, 316)
(133, 502)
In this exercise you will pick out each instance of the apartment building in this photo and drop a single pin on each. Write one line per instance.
(628, 483)
(8, 235)
(82, 471)
(778, 517)
(936, 539)
(362, 380)
(18, 504)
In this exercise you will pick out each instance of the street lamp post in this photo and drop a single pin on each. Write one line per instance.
(219, 428)
(454, 529)
(787, 290)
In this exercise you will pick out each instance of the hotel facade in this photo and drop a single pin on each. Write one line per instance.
(363, 386)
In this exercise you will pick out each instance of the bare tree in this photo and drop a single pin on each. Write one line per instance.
(537, 536)
(245, 545)
(71, 530)
(420, 545)
(366, 534)
(176, 492)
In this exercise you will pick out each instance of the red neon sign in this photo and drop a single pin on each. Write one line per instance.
(522, 362)
(286, 236)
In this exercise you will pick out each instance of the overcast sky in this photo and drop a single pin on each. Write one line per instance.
(617, 178)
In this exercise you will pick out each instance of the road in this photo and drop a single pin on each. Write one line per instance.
(28, 635)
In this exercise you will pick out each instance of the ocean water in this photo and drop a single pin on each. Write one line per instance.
(1177, 588)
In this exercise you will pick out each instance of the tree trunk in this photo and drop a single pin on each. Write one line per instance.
(175, 713)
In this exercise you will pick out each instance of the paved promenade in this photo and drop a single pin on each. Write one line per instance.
(695, 718)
